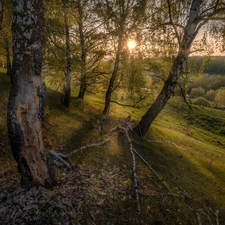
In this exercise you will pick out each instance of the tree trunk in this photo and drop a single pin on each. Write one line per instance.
(67, 91)
(27, 95)
(162, 99)
(110, 88)
(8, 61)
(190, 31)
(83, 87)
(83, 77)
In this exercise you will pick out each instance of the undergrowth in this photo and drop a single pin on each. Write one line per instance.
(185, 148)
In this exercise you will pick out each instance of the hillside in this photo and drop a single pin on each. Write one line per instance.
(180, 181)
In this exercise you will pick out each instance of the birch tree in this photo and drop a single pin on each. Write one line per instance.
(27, 94)
(121, 19)
(89, 39)
(186, 26)
(67, 89)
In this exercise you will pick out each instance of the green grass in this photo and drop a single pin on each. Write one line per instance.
(191, 161)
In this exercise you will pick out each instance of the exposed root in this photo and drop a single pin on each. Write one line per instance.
(59, 157)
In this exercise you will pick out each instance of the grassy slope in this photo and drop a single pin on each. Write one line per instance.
(191, 162)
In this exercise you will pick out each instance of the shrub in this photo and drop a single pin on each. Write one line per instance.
(197, 92)
(201, 101)
(220, 96)
(210, 95)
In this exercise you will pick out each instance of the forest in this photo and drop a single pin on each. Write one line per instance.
(112, 112)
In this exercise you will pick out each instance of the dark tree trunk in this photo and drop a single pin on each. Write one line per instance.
(27, 95)
(83, 77)
(190, 31)
(110, 88)
(67, 91)
(162, 99)
(8, 60)
(83, 87)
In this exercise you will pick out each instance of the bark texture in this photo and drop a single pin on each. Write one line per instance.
(27, 94)
(190, 32)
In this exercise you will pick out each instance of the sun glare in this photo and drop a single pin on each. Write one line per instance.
(131, 44)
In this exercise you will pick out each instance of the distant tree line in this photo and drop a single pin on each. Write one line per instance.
(213, 65)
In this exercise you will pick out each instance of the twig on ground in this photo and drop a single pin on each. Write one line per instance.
(217, 217)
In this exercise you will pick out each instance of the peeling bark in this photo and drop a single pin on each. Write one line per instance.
(24, 125)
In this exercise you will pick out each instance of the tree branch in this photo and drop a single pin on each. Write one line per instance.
(172, 23)
(184, 97)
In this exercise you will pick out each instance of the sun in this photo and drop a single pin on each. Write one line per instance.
(131, 44)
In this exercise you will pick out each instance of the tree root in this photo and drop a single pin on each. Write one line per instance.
(59, 157)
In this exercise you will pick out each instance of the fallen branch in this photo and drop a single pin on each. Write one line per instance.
(136, 190)
(147, 164)
(88, 146)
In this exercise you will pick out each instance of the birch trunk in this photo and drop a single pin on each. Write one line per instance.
(83, 77)
(190, 32)
(27, 95)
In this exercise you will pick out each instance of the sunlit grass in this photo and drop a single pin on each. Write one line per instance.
(193, 158)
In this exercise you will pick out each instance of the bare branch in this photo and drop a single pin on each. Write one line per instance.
(184, 97)
(172, 23)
